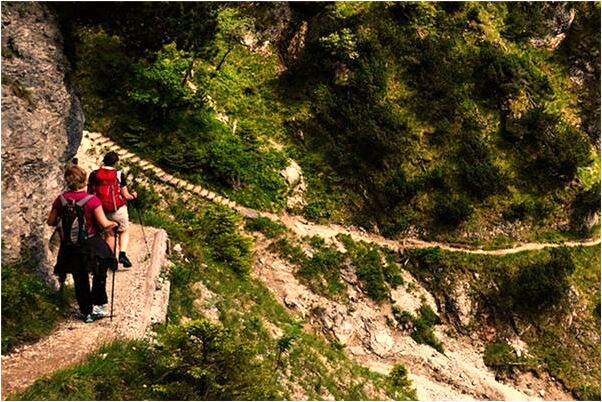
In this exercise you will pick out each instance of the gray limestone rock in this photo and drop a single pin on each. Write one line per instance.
(42, 124)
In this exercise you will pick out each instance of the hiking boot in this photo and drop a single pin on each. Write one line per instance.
(124, 260)
(99, 312)
(88, 319)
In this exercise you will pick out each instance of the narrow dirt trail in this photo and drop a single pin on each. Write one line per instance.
(300, 226)
(140, 300)
(303, 228)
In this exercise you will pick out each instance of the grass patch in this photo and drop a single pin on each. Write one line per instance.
(30, 308)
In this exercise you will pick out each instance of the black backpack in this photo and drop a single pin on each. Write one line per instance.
(72, 225)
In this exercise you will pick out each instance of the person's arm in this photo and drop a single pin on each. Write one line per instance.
(125, 193)
(53, 217)
(102, 219)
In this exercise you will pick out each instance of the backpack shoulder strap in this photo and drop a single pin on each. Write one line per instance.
(84, 200)
(63, 200)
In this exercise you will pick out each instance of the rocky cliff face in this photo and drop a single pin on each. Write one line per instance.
(42, 123)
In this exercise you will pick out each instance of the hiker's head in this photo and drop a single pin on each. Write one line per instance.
(110, 159)
(75, 177)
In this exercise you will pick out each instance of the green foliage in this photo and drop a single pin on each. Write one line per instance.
(159, 87)
(423, 328)
(539, 286)
(30, 308)
(285, 342)
(220, 225)
(202, 361)
(399, 376)
(478, 172)
(586, 204)
(537, 208)
(500, 76)
(404, 318)
(321, 273)
(501, 356)
(289, 251)
(553, 149)
(266, 226)
(195, 361)
(452, 210)
(369, 269)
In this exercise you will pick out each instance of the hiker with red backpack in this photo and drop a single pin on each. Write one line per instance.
(80, 219)
(110, 186)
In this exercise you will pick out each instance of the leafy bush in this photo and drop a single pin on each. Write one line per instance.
(477, 171)
(586, 204)
(500, 355)
(540, 285)
(321, 272)
(158, 88)
(500, 75)
(423, 328)
(538, 209)
(399, 376)
(203, 361)
(552, 149)
(452, 210)
(196, 361)
(368, 267)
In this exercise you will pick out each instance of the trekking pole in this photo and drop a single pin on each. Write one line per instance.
(114, 270)
(142, 228)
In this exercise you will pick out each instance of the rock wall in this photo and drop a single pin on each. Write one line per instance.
(42, 122)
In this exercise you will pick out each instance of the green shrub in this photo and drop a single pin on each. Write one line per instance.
(452, 210)
(478, 173)
(500, 355)
(195, 361)
(540, 285)
(586, 204)
(321, 272)
(399, 376)
(290, 252)
(220, 226)
(203, 361)
(369, 269)
(266, 226)
(404, 318)
(423, 328)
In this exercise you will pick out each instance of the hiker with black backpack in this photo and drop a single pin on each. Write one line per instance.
(110, 186)
(80, 219)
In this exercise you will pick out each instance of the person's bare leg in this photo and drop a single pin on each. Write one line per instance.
(124, 239)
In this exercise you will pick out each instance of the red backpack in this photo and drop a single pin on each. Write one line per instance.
(106, 187)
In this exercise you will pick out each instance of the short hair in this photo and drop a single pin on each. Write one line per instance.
(75, 177)
(110, 159)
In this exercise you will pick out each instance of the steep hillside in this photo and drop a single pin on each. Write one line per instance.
(469, 123)
(364, 200)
